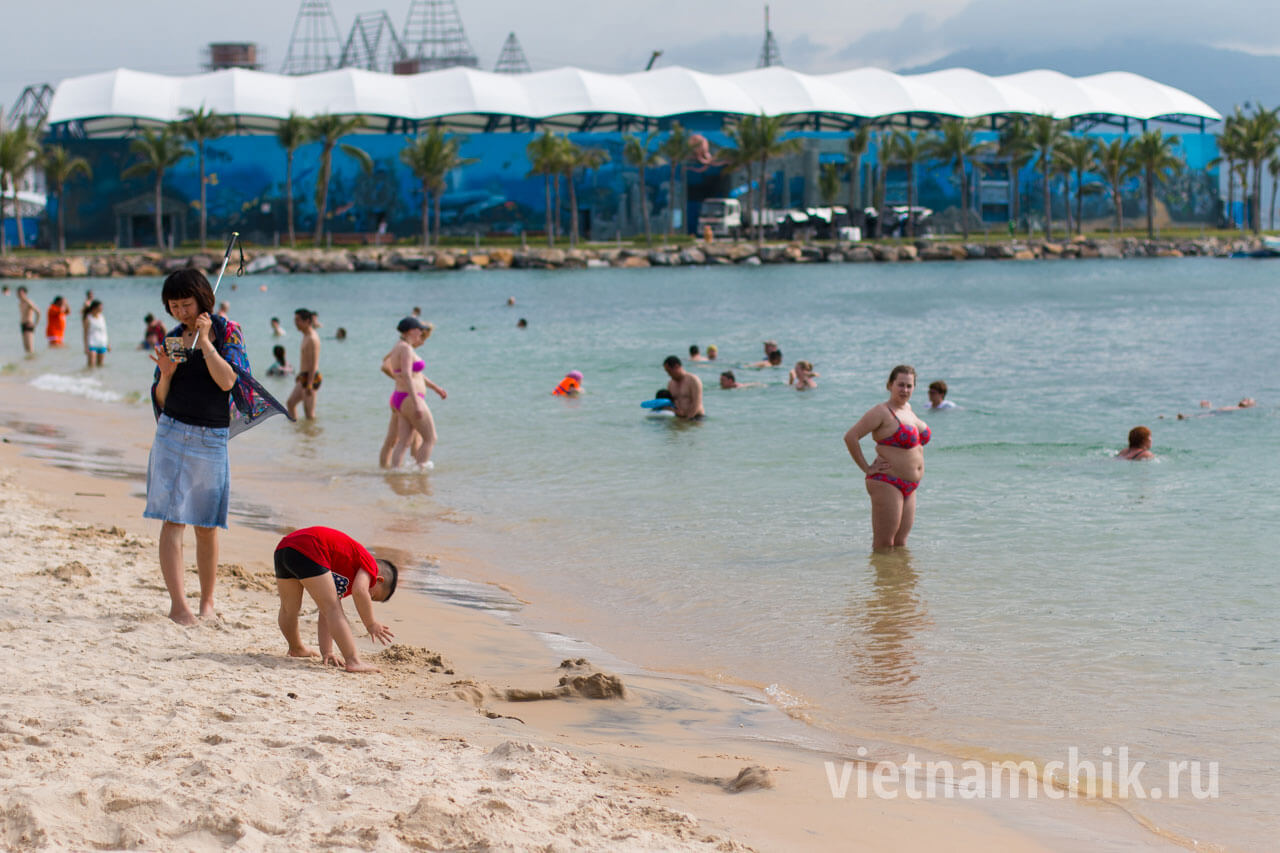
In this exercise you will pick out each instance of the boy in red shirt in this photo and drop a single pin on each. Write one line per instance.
(330, 566)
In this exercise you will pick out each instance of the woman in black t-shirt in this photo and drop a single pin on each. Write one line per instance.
(188, 476)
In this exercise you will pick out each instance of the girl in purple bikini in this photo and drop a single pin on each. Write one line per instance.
(411, 423)
(899, 464)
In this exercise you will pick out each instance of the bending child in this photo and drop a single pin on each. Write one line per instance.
(330, 566)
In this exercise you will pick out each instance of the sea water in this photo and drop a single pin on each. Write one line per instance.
(1051, 598)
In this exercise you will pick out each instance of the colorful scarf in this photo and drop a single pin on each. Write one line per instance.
(250, 402)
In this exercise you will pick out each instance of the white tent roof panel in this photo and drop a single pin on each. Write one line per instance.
(112, 102)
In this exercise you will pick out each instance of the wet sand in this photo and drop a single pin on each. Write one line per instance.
(128, 731)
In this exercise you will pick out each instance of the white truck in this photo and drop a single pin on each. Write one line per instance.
(722, 215)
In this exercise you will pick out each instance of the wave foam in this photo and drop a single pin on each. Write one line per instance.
(80, 386)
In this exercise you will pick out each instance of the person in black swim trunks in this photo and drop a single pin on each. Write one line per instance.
(30, 315)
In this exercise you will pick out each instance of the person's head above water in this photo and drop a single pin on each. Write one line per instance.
(1139, 438)
(728, 380)
(775, 357)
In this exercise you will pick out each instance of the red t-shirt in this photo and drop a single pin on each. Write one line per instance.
(336, 551)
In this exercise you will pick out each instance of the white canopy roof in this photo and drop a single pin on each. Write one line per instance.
(116, 102)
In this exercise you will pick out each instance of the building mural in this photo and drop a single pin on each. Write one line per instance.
(498, 196)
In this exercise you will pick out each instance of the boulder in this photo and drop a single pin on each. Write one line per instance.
(999, 251)
(552, 257)
(174, 264)
(444, 261)
(908, 253)
(885, 253)
(77, 267)
(148, 269)
(860, 255)
(632, 262)
(100, 267)
(692, 257)
(574, 262)
(597, 263)
(834, 257)
(975, 251)
(501, 258)
(1051, 249)
(204, 262)
(337, 263)
(1024, 255)
(773, 255)
(366, 263)
(660, 259)
(1089, 252)
(480, 260)
(751, 261)
(935, 253)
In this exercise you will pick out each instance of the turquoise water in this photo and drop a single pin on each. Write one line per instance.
(1052, 597)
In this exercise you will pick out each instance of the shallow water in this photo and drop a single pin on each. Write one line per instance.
(1051, 598)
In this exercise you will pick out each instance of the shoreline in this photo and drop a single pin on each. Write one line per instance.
(665, 734)
(154, 263)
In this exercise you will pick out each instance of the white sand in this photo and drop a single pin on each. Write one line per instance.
(119, 729)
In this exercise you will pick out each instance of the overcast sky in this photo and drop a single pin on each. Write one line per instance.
(47, 40)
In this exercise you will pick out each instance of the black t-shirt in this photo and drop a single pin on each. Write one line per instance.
(194, 398)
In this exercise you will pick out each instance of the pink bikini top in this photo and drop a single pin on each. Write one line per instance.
(907, 435)
(417, 366)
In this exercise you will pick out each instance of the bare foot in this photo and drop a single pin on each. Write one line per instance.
(360, 666)
(303, 652)
(207, 612)
(183, 617)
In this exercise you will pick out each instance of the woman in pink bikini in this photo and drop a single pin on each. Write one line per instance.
(411, 422)
(894, 475)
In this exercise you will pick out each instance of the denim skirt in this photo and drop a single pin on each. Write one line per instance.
(188, 476)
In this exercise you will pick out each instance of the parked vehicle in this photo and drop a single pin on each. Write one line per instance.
(722, 215)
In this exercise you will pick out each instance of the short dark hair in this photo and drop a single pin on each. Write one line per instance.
(278, 352)
(671, 361)
(775, 356)
(304, 313)
(187, 284)
(1138, 436)
(693, 349)
(728, 374)
(939, 386)
(388, 569)
(901, 368)
(150, 318)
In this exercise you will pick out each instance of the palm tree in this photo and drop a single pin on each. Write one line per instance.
(576, 157)
(1273, 169)
(431, 157)
(160, 150)
(903, 149)
(543, 153)
(676, 149)
(1261, 139)
(743, 155)
(829, 183)
(1153, 152)
(1077, 156)
(957, 145)
(769, 143)
(637, 152)
(60, 167)
(1015, 147)
(19, 151)
(1045, 135)
(1231, 146)
(1115, 159)
(200, 126)
(856, 147)
(327, 129)
(293, 132)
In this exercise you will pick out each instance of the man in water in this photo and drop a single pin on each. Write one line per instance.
(308, 381)
(938, 396)
(30, 315)
(686, 390)
(729, 382)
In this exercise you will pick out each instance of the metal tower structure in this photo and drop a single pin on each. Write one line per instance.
(769, 54)
(512, 59)
(372, 44)
(315, 44)
(32, 105)
(434, 37)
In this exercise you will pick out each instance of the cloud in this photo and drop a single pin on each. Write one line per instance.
(1024, 26)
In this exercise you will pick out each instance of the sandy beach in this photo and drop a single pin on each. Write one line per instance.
(122, 730)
